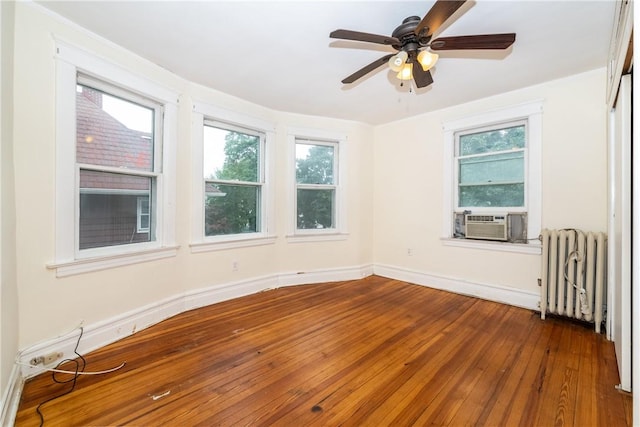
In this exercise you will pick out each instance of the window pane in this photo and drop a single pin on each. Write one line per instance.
(144, 222)
(113, 132)
(507, 167)
(231, 209)
(230, 155)
(143, 214)
(497, 195)
(109, 209)
(314, 164)
(144, 206)
(492, 141)
(315, 208)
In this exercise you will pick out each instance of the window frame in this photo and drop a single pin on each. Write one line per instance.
(70, 62)
(531, 112)
(258, 184)
(155, 172)
(318, 137)
(458, 157)
(205, 113)
(333, 186)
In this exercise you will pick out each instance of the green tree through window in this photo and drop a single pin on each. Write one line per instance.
(233, 191)
(491, 169)
(315, 193)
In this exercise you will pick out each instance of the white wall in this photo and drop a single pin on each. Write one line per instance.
(8, 285)
(408, 165)
(50, 306)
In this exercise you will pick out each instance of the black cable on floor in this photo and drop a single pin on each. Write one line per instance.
(80, 363)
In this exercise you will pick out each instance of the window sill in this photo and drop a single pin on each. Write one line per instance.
(80, 266)
(228, 243)
(522, 248)
(319, 237)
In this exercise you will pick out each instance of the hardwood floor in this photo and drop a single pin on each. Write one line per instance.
(371, 352)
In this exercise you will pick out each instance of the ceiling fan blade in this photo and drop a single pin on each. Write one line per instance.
(440, 12)
(421, 77)
(367, 69)
(363, 37)
(485, 41)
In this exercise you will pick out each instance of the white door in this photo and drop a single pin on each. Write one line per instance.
(619, 279)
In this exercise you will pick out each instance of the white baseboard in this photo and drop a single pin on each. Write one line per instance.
(333, 275)
(110, 330)
(502, 294)
(101, 333)
(11, 397)
(218, 293)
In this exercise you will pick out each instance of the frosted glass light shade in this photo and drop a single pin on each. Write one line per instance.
(396, 62)
(406, 72)
(427, 59)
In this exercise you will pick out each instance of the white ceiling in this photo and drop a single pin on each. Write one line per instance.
(278, 53)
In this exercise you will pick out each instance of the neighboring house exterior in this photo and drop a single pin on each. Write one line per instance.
(114, 208)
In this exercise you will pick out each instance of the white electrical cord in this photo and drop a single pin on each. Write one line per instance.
(80, 362)
(577, 257)
(74, 372)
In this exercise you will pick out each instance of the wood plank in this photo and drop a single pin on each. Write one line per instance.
(368, 352)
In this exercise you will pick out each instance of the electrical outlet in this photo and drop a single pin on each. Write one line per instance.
(46, 359)
(235, 265)
(49, 358)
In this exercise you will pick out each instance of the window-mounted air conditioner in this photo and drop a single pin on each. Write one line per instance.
(486, 227)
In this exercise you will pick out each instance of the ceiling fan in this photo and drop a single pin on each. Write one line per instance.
(413, 41)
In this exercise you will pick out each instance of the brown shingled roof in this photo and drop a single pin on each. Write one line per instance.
(103, 140)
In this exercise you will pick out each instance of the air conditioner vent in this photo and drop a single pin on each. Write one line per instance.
(516, 226)
(485, 218)
(486, 227)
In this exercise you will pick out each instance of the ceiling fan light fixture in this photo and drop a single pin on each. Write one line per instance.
(427, 59)
(406, 72)
(413, 42)
(397, 61)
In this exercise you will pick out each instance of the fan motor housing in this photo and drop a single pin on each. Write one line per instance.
(405, 32)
